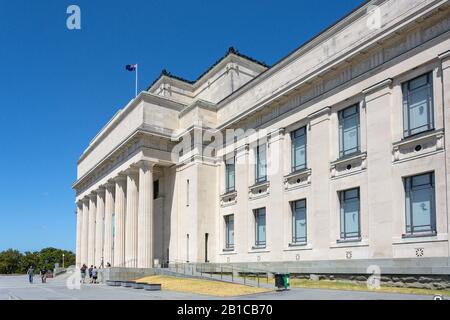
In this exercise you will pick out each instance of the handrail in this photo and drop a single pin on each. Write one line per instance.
(225, 272)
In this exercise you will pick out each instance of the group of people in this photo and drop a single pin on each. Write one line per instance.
(43, 273)
(92, 272)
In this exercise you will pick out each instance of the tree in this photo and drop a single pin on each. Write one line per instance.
(10, 261)
(28, 259)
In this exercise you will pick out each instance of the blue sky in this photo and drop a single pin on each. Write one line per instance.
(59, 87)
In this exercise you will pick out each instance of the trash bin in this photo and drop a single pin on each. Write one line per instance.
(286, 281)
(281, 281)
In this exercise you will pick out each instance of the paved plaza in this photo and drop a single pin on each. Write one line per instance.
(18, 288)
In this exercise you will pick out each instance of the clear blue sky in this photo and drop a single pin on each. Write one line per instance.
(59, 87)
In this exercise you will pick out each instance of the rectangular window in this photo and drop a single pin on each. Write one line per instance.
(229, 231)
(113, 230)
(156, 189)
(298, 222)
(350, 214)
(349, 131)
(261, 163)
(230, 175)
(418, 105)
(298, 149)
(260, 227)
(187, 193)
(420, 204)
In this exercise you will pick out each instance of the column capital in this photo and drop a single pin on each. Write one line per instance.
(100, 190)
(109, 184)
(120, 177)
(92, 195)
(144, 164)
(132, 171)
(85, 200)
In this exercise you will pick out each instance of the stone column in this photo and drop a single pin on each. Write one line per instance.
(79, 226)
(131, 222)
(120, 210)
(320, 211)
(145, 215)
(378, 105)
(99, 227)
(91, 228)
(85, 231)
(109, 210)
(445, 78)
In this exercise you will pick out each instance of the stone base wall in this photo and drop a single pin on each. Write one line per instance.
(124, 274)
(434, 282)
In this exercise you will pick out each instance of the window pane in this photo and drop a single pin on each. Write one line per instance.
(419, 203)
(349, 130)
(418, 82)
(229, 225)
(418, 105)
(230, 176)
(261, 163)
(351, 209)
(299, 149)
(350, 213)
(418, 109)
(260, 216)
(421, 209)
(299, 214)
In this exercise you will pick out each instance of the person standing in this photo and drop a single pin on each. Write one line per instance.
(90, 273)
(94, 274)
(30, 274)
(83, 273)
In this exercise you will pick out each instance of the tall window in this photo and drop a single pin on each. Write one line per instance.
(230, 170)
(418, 105)
(113, 230)
(298, 221)
(156, 189)
(420, 204)
(298, 153)
(260, 227)
(187, 193)
(349, 130)
(350, 214)
(229, 231)
(261, 163)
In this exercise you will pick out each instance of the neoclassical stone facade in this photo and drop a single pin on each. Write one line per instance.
(338, 152)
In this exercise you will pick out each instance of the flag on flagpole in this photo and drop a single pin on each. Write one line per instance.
(133, 67)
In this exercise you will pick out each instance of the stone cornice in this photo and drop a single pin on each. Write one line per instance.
(120, 115)
(198, 104)
(377, 86)
(362, 46)
(445, 55)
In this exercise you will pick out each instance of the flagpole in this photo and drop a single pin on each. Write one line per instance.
(136, 86)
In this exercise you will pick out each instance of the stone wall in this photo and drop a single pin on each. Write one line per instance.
(435, 282)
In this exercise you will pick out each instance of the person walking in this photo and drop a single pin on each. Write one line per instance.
(43, 275)
(94, 274)
(90, 273)
(30, 274)
(83, 273)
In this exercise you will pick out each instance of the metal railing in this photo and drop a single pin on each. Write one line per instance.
(221, 272)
